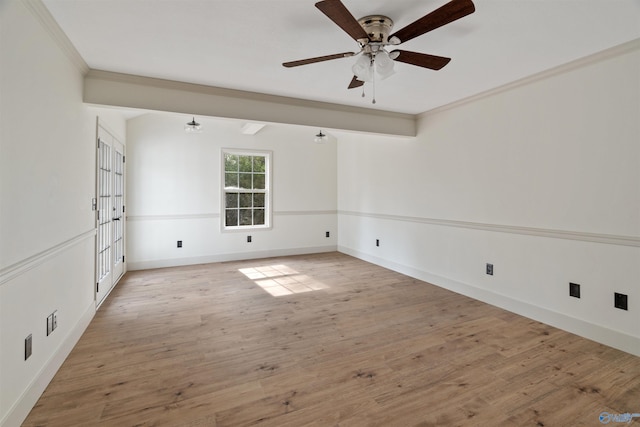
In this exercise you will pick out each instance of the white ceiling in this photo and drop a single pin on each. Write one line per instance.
(241, 44)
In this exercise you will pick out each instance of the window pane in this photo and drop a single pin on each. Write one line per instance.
(246, 190)
(245, 163)
(258, 217)
(258, 164)
(258, 200)
(258, 181)
(231, 180)
(245, 181)
(231, 200)
(245, 200)
(230, 162)
(231, 218)
(245, 217)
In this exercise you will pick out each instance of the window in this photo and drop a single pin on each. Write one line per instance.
(246, 192)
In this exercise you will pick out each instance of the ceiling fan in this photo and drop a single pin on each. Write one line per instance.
(373, 35)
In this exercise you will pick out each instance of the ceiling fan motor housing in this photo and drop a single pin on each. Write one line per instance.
(378, 27)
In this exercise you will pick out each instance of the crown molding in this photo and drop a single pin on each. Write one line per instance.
(612, 52)
(42, 14)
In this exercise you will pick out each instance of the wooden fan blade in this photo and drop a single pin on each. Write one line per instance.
(451, 11)
(338, 13)
(317, 59)
(422, 59)
(355, 83)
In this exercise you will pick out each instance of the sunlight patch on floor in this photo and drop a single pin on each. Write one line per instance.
(280, 280)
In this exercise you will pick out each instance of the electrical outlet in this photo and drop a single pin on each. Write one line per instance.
(620, 301)
(28, 347)
(49, 324)
(52, 322)
(248, 239)
(179, 243)
(574, 290)
(377, 242)
(489, 269)
(326, 234)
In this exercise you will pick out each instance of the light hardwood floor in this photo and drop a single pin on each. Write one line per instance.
(345, 343)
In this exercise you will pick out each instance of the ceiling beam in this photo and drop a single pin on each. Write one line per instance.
(124, 90)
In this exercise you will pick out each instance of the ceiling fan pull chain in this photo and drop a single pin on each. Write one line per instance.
(373, 81)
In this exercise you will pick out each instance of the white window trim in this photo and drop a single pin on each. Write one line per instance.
(268, 214)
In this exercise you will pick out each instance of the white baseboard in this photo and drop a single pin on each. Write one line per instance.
(176, 262)
(597, 333)
(20, 410)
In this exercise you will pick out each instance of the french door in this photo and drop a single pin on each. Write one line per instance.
(110, 257)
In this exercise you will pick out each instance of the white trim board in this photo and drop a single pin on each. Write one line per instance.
(609, 337)
(610, 239)
(21, 408)
(304, 213)
(40, 11)
(11, 272)
(180, 217)
(236, 256)
(173, 217)
(578, 63)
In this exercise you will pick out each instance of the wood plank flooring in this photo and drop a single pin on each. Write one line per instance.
(345, 343)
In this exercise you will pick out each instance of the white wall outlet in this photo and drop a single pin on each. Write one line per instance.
(28, 347)
(52, 322)
(49, 324)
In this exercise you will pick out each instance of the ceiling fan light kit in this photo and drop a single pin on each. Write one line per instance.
(362, 69)
(384, 64)
(372, 33)
(373, 50)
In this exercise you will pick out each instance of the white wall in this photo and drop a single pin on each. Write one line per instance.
(173, 185)
(47, 175)
(541, 179)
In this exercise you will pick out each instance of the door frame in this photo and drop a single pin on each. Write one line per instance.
(105, 202)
